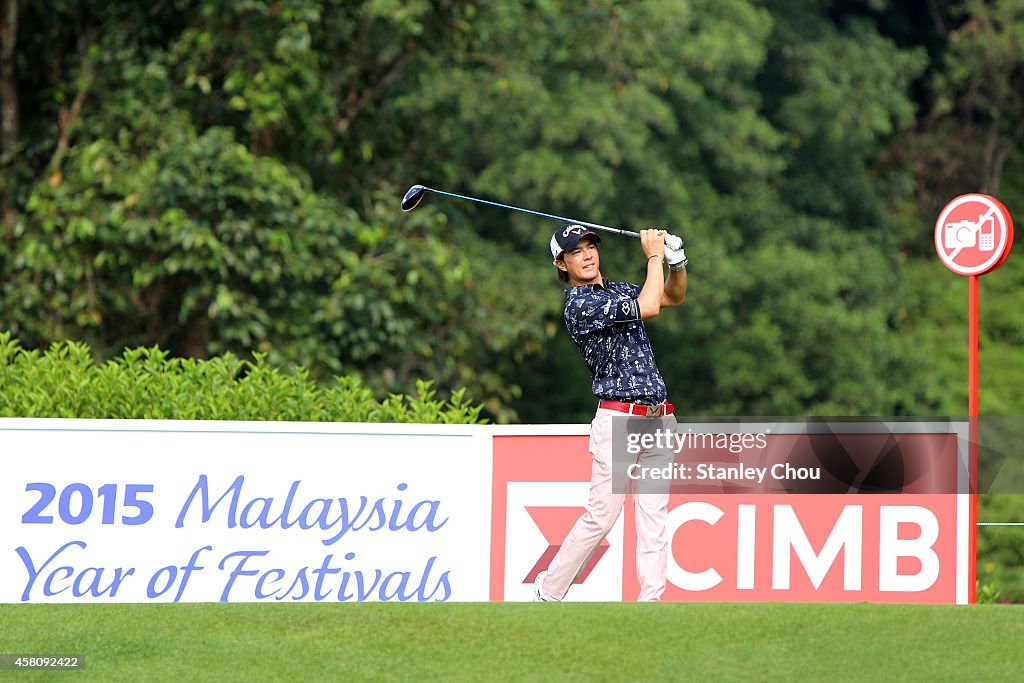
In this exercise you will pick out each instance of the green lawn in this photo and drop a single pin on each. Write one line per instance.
(525, 641)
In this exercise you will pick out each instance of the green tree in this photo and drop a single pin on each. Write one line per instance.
(794, 305)
(181, 208)
(223, 176)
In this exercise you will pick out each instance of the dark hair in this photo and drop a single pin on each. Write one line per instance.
(563, 276)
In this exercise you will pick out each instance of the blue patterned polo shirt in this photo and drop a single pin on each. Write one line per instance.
(604, 322)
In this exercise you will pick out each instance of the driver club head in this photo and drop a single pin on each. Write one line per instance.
(413, 197)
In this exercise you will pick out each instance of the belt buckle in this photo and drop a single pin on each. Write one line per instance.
(654, 411)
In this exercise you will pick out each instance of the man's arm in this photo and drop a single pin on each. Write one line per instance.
(675, 288)
(652, 295)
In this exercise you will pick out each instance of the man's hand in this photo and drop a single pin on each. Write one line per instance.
(653, 242)
(676, 258)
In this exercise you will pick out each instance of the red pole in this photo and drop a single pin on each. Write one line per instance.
(972, 341)
(972, 409)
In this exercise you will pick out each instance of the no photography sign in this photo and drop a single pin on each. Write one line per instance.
(973, 234)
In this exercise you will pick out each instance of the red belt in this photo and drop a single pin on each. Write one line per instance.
(663, 408)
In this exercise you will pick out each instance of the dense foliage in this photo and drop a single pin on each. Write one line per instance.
(147, 383)
(215, 176)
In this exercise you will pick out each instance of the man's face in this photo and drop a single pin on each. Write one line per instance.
(582, 263)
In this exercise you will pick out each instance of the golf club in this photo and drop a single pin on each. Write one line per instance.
(414, 196)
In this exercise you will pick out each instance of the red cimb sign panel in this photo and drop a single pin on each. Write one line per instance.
(736, 542)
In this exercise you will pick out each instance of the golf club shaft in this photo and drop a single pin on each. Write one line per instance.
(617, 231)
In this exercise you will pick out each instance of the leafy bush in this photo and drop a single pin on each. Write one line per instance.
(145, 383)
(1001, 548)
(987, 593)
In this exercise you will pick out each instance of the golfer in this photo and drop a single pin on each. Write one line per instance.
(605, 320)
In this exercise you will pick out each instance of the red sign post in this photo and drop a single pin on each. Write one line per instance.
(973, 236)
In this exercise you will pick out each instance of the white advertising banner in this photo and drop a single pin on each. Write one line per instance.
(150, 511)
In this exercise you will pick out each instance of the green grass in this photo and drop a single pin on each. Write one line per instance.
(527, 642)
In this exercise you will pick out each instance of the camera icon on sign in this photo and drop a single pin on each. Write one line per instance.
(964, 234)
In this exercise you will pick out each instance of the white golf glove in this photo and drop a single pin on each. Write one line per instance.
(675, 256)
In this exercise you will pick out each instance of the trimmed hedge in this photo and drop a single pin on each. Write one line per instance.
(145, 383)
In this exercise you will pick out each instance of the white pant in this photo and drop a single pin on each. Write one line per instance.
(603, 508)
